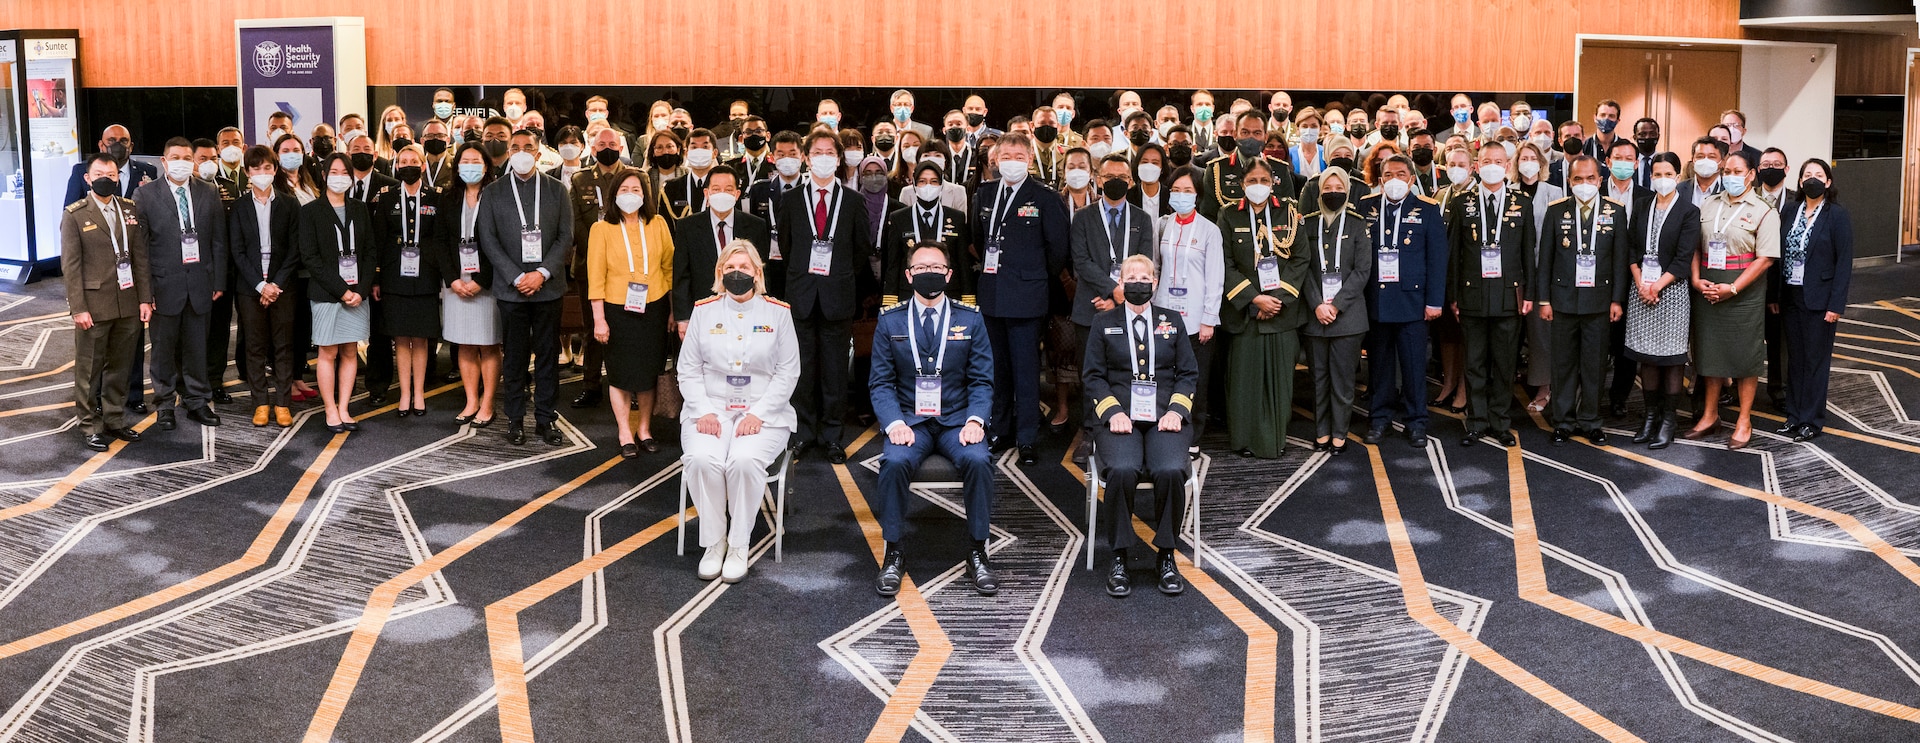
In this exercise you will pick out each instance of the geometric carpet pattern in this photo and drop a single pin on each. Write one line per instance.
(421, 581)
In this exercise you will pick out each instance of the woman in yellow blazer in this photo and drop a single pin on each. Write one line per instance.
(629, 280)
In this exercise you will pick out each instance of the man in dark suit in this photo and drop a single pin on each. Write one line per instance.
(1622, 188)
(1703, 179)
(826, 238)
(265, 263)
(932, 390)
(1646, 144)
(525, 229)
(220, 336)
(369, 185)
(187, 254)
(1099, 239)
(1221, 185)
(103, 257)
(1020, 231)
(1581, 282)
(592, 190)
(1407, 291)
(925, 220)
(1491, 234)
(697, 241)
(1736, 123)
(766, 198)
(115, 142)
(752, 161)
(1786, 203)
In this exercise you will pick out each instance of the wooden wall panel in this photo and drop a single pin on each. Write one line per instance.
(1868, 64)
(1318, 44)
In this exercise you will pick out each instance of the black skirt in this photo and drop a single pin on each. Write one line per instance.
(410, 316)
(636, 349)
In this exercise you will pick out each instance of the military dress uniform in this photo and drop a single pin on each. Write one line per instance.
(738, 359)
(1260, 259)
(1140, 364)
(1220, 186)
(1409, 278)
(1020, 231)
(1489, 275)
(912, 224)
(590, 191)
(1582, 275)
(103, 259)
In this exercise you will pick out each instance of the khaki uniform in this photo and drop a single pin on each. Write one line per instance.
(94, 242)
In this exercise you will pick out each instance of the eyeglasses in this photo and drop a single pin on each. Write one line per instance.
(929, 268)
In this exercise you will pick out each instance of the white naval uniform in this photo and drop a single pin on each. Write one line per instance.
(726, 474)
(1191, 257)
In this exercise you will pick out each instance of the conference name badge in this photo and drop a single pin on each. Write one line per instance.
(1143, 396)
(926, 396)
(737, 385)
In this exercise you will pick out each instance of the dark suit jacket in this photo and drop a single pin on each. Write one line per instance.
(1679, 237)
(694, 254)
(966, 379)
(896, 245)
(835, 296)
(178, 285)
(319, 232)
(137, 175)
(1422, 240)
(377, 183)
(686, 194)
(1354, 266)
(243, 230)
(1094, 254)
(1829, 270)
(1554, 277)
(1483, 297)
(89, 266)
(451, 202)
(1686, 190)
(1033, 234)
(1107, 367)
(389, 220)
(499, 231)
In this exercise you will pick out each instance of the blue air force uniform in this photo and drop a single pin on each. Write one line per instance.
(965, 377)
(1409, 277)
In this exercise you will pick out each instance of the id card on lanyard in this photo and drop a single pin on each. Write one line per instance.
(1717, 243)
(1797, 262)
(410, 240)
(1268, 264)
(468, 248)
(737, 386)
(1143, 393)
(1650, 260)
(189, 235)
(531, 250)
(1176, 294)
(1330, 281)
(637, 290)
(1490, 242)
(996, 223)
(1585, 262)
(820, 258)
(349, 256)
(926, 387)
(122, 258)
(1387, 263)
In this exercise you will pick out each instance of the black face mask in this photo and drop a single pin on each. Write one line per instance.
(322, 147)
(929, 284)
(737, 283)
(435, 147)
(1282, 113)
(361, 160)
(883, 144)
(408, 174)
(681, 132)
(1180, 154)
(470, 135)
(754, 142)
(976, 119)
(496, 150)
(1359, 130)
(954, 134)
(666, 161)
(1389, 131)
(1225, 143)
(1137, 292)
(1647, 146)
(1811, 188)
(1332, 201)
(1139, 137)
(1422, 156)
(1343, 163)
(104, 187)
(607, 157)
(1773, 177)
(1248, 147)
(1114, 189)
(1571, 145)
(1046, 133)
(119, 151)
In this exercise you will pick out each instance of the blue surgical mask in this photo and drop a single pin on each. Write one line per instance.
(1182, 202)
(1734, 185)
(291, 160)
(1621, 169)
(472, 172)
(900, 113)
(1250, 147)
(1460, 117)
(1605, 125)
(830, 120)
(1065, 115)
(442, 110)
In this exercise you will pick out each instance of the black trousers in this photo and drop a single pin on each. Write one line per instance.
(1397, 373)
(221, 338)
(1161, 456)
(1493, 352)
(826, 356)
(1625, 369)
(268, 334)
(179, 362)
(1778, 372)
(1579, 362)
(379, 371)
(1809, 351)
(1203, 358)
(1016, 377)
(593, 353)
(531, 332)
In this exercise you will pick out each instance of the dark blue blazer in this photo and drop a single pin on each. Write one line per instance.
(1423, 260)
(966, 379)
(1033, 247)
(1829, 260)
(138, 173)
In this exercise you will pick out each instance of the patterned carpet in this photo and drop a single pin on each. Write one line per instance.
(419, 581)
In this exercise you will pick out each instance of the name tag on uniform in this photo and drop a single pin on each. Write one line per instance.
(1177, 299)
(1490, 262)
(737, 385)
(530, 249)
(350, 269)
(1717, 253)
(820, 262)
(993, 256)
(1584, 266)
(1603, 221)
(124, 270)
(1269, 268)
(1388, 266)
(636, 297)
(1145, 398)
(469, 256)
(189, 247)
(926, 396)
(410, 261)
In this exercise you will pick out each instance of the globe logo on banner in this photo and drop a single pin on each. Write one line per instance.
(267, 58)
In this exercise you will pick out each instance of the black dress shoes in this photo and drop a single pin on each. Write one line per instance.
(1375, 434)
(124, 434)
(999, 444)
(981, 574)
(1506, 438)
(165, 420)
(517, 433)
(138, 408)
(629, 451)
(549, 433)
(1027, 457)
(836, 454)
(1596, 436)
(1786, 429)
(1338, 449)
(1417, 438)
(377, 399)
(1472, 438)
(1323, 446)
(1169, 569)
(222, 396)
(1805, 432)
(587, 398)
(1119, 583)
(893, 568)
(98, 441)
(204, 415)
(1561, 436)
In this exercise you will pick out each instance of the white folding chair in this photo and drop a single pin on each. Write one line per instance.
(1095, 484)
(777, 487)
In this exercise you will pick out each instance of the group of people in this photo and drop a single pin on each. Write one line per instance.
(1116, 255)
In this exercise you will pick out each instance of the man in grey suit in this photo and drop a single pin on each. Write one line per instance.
(526, 228)
(187, 255)
(1100, 238)
(900, 110)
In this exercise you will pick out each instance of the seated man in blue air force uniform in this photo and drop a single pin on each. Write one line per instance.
(932, 386)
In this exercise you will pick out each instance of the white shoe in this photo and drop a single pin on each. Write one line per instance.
(710, 562)
(736, 566)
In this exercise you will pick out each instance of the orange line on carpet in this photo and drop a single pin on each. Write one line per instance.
(35, 318)
(1859, 360)
(1413, 587)
(58, 490)
(1845, 434)
(1877, 339)
(37, 375)
(1899, 309)
(380, 603)
(35, 409)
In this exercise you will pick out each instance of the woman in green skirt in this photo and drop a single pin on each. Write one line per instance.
(1740, 238)
(1263, 310)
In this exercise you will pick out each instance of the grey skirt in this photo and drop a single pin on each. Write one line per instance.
(469, 322)
(335, 323)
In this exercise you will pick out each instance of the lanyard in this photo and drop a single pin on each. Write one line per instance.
(521, 208)
(1118, 248)
(1720, 227)
(1134, 359)
(1173, 253)
(1809, 218)
(913, 339)
(930, 215)
(1339, 238)
(468, 214)
(344, 242)
(414, 238)
(690, 179)
(1655, 222)
(1592, 224)
(833, 217)
(997, 222)
(115, 218)
(1388, 239)
(646, 258)
(1262, 226)
(1498, 222)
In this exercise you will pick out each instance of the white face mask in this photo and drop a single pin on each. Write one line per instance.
(937, 160)
(908, 153)
(1457, 174)
(262, 181)
(1664, 186)
(339, 183)
(1258, 192)
(660, 123)
(1310, 135)
(230, 154)
(1510, 148)
(179, 170)
(1522, 123)
(1182, 202)
(1099, 149)
(514, 111)
(569, 151)
(927, 192)
(521, 162)
(788, 166)
(1077, 179)
(207, 169)
(1013, 171)
(1149, 172)
(1706, 168)
(1585, 191)
(1493, 173)
(629, 202)
(389, 127)
(1395, 189)
(853, 157)
(824, 165)
(700, 158)
(722, 202)
(1529, 169)
(275, 135)
(1542, 141)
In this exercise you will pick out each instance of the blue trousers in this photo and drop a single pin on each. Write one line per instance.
(1016, 377)
(1397, 372)
(899, 463)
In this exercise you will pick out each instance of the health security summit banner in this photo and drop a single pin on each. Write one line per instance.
(312, 69)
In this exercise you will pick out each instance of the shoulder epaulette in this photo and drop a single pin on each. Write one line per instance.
(1217, 159)
(1354, 212)
(1612, 200)
(714, 298)
(1311, 214)
(1426, 198)
(771, 300)
(77, 205)
(965, 306)
(894, 306)
(1558, 200)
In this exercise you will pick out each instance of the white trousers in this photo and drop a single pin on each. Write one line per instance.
(727, 475)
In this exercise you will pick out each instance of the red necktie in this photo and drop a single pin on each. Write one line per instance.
(820, 214)
(723, 235)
